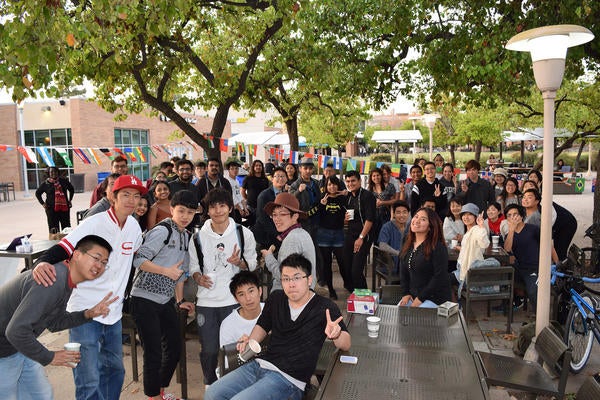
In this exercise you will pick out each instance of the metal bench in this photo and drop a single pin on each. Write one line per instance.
(530, 376)
(383, 267)
(477, 288)
(390, 294)
(6, 188)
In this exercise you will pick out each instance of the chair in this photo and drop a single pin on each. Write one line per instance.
(390, 294)
(590, 390)
(489, 283)
(530, 376)
(128, 326)
(80, 215)
(383, 267)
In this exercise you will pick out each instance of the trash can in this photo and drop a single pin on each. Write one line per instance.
(78, 182)
(102, 176)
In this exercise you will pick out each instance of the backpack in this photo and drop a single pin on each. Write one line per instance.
(198, 246)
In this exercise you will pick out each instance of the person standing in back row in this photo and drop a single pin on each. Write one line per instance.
(475, 189)
(57, 202)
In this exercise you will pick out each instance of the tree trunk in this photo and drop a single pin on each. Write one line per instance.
(291, 124)
(576, 165)
(453, 154)
(477, 150)
(597, 196)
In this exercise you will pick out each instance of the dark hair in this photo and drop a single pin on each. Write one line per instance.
(520, 209)
(174, 159)
(386, 168)
(298, 261)
(295, 175)
(200, 164)
(496, 205)
(165, 164)
(52, 169)
(214, 159)
(448, 165)
(104, 184)
(426, 199)
(434, 236)
(350, 174)
(156, 183)
(535, 192)
(86, 243)
(184, 161)
(537, 173)
(262, 173)
(280, 169)
(217, 196)
(243, 278)
(415, 167)
(143, 220)
(333, 179)
(428, 163)
(118, 159)
(184, 198)
(400, 203)
(473, 164)
(456, 200)
(371, 184)
(537, 187)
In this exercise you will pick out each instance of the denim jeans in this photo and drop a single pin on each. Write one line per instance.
(23, 378)
(209, 322)
(250, 382)
(100, 373)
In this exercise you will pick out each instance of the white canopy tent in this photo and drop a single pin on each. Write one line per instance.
(395, 137)
(265, 138)
(526, 134)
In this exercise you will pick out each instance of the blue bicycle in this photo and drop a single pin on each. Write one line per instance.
(582, 310)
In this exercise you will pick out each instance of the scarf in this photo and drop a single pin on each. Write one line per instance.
(283, 234)
(60, 200)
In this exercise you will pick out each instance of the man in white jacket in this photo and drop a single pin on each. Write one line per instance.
(218, 251)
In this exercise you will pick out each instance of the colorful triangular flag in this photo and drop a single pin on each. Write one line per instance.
(140, 154)
(65, 156)
(46, 156)
(130, 153)
(223, 145)
(82, 156)
(351, 165)
(28, 154)
(107, 153)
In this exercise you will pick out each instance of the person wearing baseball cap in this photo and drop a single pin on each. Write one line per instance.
(101, 338)
(500, 177)
(286, 214)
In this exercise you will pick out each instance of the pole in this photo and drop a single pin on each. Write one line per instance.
(589, 171)
(430, 142)
(24, 161)
(543, 295)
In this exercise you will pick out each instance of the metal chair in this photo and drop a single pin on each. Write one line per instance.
(385, 268)
(590, 390)
(489, 283)
(390, 294)
(530, 376)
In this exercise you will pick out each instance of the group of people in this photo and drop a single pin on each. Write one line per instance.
(193, 223)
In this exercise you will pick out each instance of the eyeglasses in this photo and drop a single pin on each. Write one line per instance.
(184, 169)
(295, 279)
(510, 215)
(280, 215)
(98, 260)
(279, 177)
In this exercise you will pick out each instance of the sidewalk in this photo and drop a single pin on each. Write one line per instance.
(27, 216)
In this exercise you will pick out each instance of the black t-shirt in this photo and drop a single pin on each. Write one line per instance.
(526, 247)
(364, 206)
(333, 213)
(294, 346)
(253, 186)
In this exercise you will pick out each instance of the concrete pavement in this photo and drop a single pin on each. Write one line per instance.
(25, 215)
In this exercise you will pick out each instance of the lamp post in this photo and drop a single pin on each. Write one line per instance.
(548, 47)
(22, 132)
(430, 123)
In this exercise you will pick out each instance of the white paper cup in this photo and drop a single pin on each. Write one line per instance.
(252, 349)
(495, 241)
(72, 347)
(350, 214)
(453, 243)
(373, 326)
(213, 278)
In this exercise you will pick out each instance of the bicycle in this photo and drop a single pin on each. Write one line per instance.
(583, 317)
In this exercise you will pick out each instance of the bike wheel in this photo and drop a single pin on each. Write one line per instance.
(579, 337)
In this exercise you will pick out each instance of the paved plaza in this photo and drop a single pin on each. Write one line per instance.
(25, 215)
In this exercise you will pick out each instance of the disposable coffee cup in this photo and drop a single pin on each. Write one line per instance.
(373, 326)
(252, 349)
(454, 243)
(350, 214)
(72, 347)
(495, 242)
(213, 278)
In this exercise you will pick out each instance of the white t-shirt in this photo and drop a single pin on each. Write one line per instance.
(124, 241)
(235, 190)
(235, 326)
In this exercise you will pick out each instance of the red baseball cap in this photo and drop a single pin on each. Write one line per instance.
(129, 182)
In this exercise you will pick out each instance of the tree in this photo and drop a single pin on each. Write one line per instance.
(174, 56)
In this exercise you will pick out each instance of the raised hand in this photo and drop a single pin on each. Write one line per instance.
(324, 199)
(173, 272)
(102, 308)
(235, 257)
(332, 329)
(438, 191)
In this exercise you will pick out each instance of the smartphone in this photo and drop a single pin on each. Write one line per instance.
(348, 359)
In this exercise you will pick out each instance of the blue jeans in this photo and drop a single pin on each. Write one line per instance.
(209, 322)
(251, 382)
(100, 373)
(23, 378)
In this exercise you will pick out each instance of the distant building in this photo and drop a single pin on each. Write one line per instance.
(81, 124)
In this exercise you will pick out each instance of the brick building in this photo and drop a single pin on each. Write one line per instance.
(79, 123)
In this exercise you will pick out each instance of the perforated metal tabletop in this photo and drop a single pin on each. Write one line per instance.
(417, 355)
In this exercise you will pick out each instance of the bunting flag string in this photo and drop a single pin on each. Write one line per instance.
(65, 155)
(130, 154)
(4, 147)
(141, 155)
(79, 153)
(107, 153)
(46, 156)
(90, 156)
(94, 156)
(28, 154)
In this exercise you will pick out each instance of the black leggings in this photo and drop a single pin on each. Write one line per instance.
(327, 254)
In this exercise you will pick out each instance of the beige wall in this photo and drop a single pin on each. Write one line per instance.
(91, 126)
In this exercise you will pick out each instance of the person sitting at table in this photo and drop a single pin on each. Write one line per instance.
(424, 263)
(393, 233)
(494, 220)
(474, 242)
(454, 228)
(299, 321)
(500, 177)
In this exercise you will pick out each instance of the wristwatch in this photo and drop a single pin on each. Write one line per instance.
(180, 302)
(361, 236)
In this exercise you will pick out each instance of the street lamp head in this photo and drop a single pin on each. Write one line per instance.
(430, 119)
(548, 47)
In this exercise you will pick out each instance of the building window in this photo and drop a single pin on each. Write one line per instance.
(135, 140)
(36, 173)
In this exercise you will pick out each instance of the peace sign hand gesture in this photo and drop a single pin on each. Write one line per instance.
(332, 329)
(438, 191)
(235, 257)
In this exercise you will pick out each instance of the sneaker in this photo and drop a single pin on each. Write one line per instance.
(169, 396)
(518, 303)
(499, 309)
